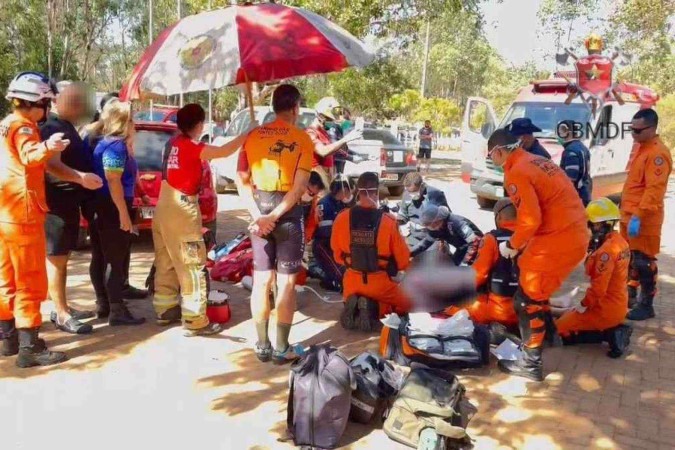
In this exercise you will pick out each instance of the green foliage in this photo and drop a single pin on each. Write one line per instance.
(443, 113)
(666, 110)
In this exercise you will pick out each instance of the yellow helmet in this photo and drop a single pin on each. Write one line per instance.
(594, 43)
(602, 210)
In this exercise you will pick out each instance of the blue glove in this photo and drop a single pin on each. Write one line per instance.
(634, 226)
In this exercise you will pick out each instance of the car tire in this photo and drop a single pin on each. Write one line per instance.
(396, 191)
(485, 203)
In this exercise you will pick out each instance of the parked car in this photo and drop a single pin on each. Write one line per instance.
(149, 143)
(387, 156)
(225, 169)
(159, 113)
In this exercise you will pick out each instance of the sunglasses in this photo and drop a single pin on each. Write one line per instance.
(639, 130)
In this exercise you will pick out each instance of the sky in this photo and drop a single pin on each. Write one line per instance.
(511, 27)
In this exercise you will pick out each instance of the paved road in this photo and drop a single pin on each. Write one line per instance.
(149, 387)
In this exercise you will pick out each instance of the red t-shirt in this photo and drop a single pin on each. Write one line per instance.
(320, 136)
(184, 165)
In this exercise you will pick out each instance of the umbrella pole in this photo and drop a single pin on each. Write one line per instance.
(249, 98)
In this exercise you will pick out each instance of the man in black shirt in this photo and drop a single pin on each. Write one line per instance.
(69, 185)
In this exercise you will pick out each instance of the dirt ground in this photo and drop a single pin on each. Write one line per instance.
(150, 387)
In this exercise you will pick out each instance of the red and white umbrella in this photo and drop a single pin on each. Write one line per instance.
(243, 44)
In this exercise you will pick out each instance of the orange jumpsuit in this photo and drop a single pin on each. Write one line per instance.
(606, 301)
(643, 195)
(23, 273)
(312, 220)
(489, 307)
(550, 232)
(379, 286)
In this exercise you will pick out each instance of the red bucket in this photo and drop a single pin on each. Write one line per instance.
(218, 313)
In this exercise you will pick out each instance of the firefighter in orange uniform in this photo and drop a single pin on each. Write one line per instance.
(367, 241)
(549, 240)
(23, 273)
(600, 315)
(496, 278)
(642, 211)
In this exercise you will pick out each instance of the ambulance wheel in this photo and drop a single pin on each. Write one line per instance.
(430, 440)
(485, 203)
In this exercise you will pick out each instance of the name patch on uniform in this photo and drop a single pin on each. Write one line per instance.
(25, 131)
(658, 161)
(363, 237)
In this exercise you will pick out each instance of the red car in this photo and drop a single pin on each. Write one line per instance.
(160, 113)
(149, 143)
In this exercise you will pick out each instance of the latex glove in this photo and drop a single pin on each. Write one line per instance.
(353, 135)
(580, 308)
(634, 226)
(564, 301)
(506, 251)
(404, 229)
(56, 143)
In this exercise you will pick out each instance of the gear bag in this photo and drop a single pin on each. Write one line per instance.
(319, 400)
(504, 275)
(377, 383)
(430, 400)
(405, 349)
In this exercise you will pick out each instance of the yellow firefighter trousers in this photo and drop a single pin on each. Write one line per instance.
(180, 257)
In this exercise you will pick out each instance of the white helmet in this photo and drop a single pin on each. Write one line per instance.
(326, 107)
(31, 86)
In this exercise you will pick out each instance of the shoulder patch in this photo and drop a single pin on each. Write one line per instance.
(658, 161)
(512, 188)
(25, 131)
(604, 257)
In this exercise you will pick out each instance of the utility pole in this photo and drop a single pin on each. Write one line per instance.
(211, 127)
(426, 60)
(180, 99)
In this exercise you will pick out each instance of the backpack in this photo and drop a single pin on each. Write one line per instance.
(234, 266)
(403, 348)
(321, 385)
(428, 411)
(377, 383)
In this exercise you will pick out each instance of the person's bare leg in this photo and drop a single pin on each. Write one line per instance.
(260, 306)
(428, 164)
(57, 274)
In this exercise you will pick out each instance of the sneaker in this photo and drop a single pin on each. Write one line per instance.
(263, 352)
(292, 353)
(209, 330)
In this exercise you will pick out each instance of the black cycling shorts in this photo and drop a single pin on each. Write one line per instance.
(283, 248)
(424, 153)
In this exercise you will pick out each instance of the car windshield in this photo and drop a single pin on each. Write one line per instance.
(148, 149)
(385, 136)
(546, 115)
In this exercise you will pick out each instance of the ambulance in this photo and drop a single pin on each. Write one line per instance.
(606, 134)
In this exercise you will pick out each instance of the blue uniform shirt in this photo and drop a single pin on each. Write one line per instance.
(328, 209)
(111, 154)
(576, 162)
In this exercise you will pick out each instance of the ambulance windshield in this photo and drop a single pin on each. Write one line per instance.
(547, 115)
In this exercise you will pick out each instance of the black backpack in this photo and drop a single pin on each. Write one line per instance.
(377, 383)
(319, 400)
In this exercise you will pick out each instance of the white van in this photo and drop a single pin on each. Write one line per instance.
(544, 103)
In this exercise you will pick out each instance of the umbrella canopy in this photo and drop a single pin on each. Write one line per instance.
(239, 44)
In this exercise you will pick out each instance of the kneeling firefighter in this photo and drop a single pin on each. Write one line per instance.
(496, 276)
(367, 241)
(600, 315)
